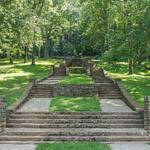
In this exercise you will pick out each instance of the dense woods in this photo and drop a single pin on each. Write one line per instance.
(117, 30)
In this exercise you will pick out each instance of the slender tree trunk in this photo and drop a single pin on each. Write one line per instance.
(33, 56)
(39, 52)
(25, 55)
(10, 59)
(46, 49)
(130, 66)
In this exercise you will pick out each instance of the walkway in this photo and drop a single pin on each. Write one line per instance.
(114, 105)
(36, 105)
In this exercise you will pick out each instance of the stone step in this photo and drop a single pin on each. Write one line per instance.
(110, 94)
(72, 133)
(76, 138)
(57, 116)
(110, 97)
(125, 121)
(75, 125)
(86, 113)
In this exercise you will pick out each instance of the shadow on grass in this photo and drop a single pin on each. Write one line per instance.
(64, 103)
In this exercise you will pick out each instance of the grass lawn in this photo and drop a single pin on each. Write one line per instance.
(64, 103)
(77, 79)
(138, 84)
(73, 146)
(14, 77)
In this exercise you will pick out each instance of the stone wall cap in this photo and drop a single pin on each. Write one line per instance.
(2, 97)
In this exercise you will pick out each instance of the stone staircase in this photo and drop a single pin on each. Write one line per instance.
(99, 76)
(36, 127)
(52, 80)
(109, 91)
(41, 91)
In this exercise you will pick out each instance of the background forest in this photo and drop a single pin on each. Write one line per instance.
(45, 28)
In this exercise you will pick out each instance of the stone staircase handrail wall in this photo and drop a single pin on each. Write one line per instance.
(147, 114)
(127, 98)
(24, 98)
(3, 113)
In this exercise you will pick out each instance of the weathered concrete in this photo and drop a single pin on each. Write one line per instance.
(2, 112)
(35, 105)
(52, 80)
(17, 147)
(147, 114)
(128, 146)
(131, 130)
(111, 105)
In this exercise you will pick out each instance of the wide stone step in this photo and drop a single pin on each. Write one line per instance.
(75, 125)
(110, 94)
(75, 138)
(125, 121)
(72, 133)
(44, 116)
(86, 113)
(110, 97)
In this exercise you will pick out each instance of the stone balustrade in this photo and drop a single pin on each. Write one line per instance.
(2, 113)
(147, 114)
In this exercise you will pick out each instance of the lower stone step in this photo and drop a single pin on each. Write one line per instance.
(71, 121)
(73, 132)
(76, 138)
(46, 116)
(75, 125)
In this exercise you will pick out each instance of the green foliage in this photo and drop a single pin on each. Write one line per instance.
(73, 146)
(64, 103)
(77, 79)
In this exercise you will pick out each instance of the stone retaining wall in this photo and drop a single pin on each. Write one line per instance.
(72, 61)
(78, 70)
(59, 70)
(74, 90)
(2, 113)
(147, 114)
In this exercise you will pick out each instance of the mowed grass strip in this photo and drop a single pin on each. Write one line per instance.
(73, 146)
(73, 104)
(77, 79)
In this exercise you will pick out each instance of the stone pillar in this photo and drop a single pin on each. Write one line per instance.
(147, 114)
(33, 80)
(2, 113)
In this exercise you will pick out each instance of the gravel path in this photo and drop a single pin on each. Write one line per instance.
(36, 104)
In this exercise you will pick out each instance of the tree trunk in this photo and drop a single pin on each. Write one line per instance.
(10, 59)
(25, 55)
(33, 56)
(130, 66)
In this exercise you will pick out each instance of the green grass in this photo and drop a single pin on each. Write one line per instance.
(73, 146)
(77, 79)
(138, 84)
(14, 77)
(64, 103)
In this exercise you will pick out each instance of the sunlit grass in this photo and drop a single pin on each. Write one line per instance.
(73, 146)
(138, 84)
(77, 79)
(64, 103)
(14, 77)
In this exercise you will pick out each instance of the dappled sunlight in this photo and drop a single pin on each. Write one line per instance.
(137, 84)
(77, 79)
(64, 103)
(14, 77)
